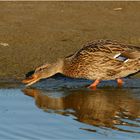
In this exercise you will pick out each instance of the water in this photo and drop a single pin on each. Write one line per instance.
(51, 110)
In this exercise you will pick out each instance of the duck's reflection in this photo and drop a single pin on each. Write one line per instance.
(99, 108)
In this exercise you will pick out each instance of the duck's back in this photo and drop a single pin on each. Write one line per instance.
(103, 59)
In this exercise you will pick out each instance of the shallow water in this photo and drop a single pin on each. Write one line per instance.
(62, 108)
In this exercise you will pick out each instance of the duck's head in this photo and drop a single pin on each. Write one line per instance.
(34, 76)
(42, 72)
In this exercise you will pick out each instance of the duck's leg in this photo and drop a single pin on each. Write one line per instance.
(94, 84)
(120, 82)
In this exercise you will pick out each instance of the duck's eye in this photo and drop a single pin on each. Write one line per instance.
(40, 69)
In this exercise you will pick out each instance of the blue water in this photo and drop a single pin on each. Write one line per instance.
(50, 110)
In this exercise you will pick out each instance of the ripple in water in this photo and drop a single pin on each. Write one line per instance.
(71, 112)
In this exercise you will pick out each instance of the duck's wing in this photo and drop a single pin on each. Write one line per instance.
(131, 54)
(106, 59)
(108, 47)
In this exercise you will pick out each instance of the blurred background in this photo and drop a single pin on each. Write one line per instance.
(32, 33)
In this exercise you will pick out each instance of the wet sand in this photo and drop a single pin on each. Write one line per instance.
(37, 32)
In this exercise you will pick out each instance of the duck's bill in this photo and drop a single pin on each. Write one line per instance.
(30, 80)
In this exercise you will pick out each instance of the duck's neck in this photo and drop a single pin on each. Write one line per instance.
(57, 67)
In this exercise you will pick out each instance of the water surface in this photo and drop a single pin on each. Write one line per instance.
(53, 110)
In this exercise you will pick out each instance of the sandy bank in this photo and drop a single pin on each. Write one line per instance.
(36, 32)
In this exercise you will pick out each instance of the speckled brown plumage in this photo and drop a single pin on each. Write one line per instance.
(96, 61)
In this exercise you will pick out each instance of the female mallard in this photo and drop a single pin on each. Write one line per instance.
(98, 60)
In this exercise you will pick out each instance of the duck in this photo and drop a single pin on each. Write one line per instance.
(97, 60)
